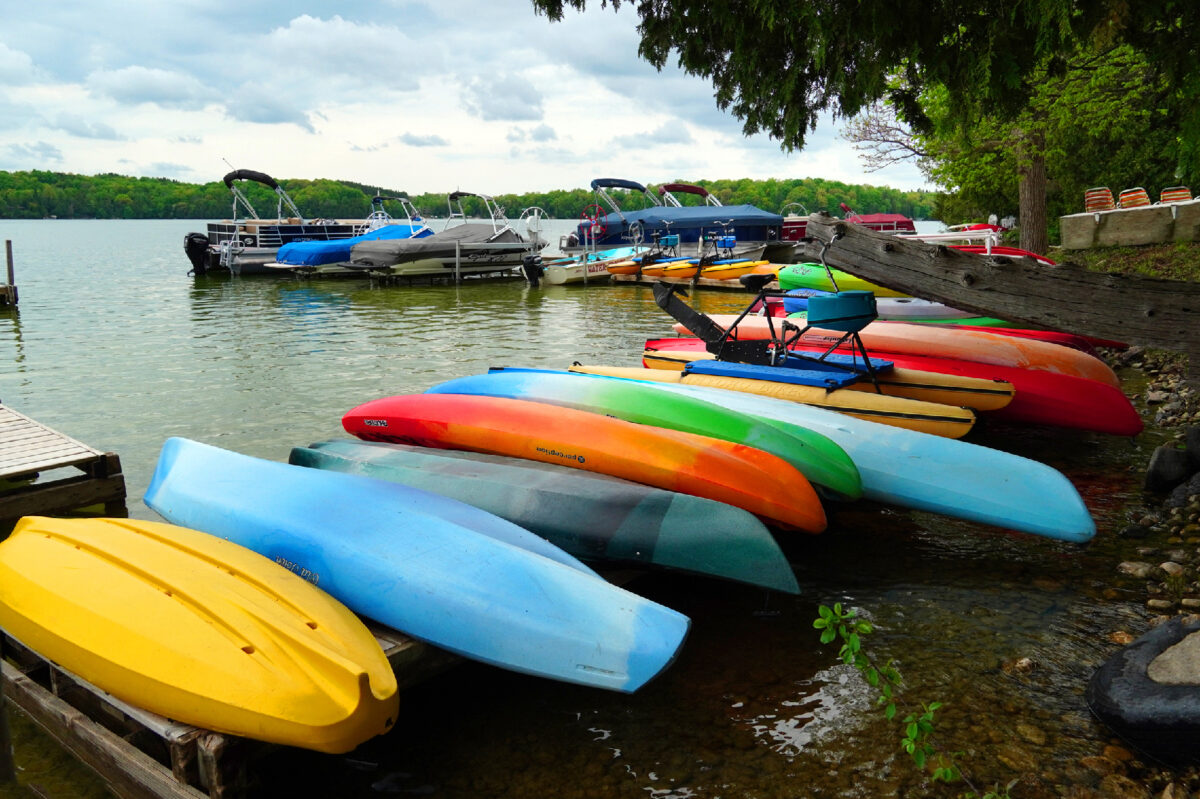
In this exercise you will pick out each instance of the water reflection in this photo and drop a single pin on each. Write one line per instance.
(755, 706)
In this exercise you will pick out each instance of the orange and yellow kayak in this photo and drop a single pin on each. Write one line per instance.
(738, 475)
(942, 342)
(732, 271)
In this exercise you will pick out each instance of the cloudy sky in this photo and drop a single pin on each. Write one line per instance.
(478, 95)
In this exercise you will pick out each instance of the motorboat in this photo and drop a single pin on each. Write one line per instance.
(795, 222)
(460, 248)
(605, 224)
(381, 226)
(245, 243)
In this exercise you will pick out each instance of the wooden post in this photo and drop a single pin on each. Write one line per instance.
(8, 293)
(8, 768)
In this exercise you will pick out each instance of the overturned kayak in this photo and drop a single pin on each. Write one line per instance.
(593, 517)
(434, 568)
(940, 341)
(197, 629)
(1039, 397)
(736, 474)
(816, 457)
(916, 415)
(930, 473)
(976, 393)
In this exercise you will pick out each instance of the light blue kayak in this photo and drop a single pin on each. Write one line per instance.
(592, 516)
(926, 472)
(435, 568)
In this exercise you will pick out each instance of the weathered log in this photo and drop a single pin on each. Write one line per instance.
(1163, 314)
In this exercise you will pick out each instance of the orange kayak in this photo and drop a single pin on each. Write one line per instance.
(738, 475)
(967, 345)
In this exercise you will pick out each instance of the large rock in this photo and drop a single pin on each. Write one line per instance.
(1168, 468)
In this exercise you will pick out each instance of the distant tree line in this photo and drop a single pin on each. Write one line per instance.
(40, 195)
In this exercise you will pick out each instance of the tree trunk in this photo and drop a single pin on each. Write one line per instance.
(1031, 158)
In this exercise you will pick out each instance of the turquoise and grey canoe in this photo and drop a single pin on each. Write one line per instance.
(924, 472)
(435, 568)
(814, 455)
(595, 517)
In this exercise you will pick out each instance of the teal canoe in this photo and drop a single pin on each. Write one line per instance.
(597, 518)
(437, 569)
(824, 463)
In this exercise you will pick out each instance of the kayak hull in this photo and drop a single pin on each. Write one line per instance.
(816, 457)
(991, 348)
(736, 474)
(1039, 397)
(196, 629)
(594, 517)
(930, 473)
(422, 564)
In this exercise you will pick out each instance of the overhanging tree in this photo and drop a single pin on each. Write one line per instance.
(780, 64)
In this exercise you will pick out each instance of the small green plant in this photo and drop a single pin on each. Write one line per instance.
(918, 735)
(1176, 586)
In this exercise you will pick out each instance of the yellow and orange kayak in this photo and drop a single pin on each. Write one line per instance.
(195, 628)
(738, 475)
(934, 418)
(732, 271)
(942, 342)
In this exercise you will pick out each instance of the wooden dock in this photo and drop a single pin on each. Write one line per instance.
(29, 449)
(140, 755)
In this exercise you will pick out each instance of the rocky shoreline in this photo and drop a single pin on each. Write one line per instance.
(1163, 555)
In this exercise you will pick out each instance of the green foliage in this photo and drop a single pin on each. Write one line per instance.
(1107, 119)
(780, 64)
(38, 194)
(918, 726)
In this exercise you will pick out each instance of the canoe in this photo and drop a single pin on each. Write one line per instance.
(591, 516)
(422, 564)
(824, 463)
(735, 474)
(814, 276)
(929, 473)
(196, 629)
(1040, 397)
(944, 342)
(979, 394)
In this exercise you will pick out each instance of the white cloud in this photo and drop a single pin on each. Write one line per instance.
(137, 84)
(409, 94)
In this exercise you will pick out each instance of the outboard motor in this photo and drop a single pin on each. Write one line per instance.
(195, 245)
(531, 267)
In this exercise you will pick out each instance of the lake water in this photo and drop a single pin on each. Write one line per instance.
(115, 345)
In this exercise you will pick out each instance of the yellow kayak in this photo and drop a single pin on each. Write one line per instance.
(197, 629)
(926, 417)
(977, 393)
(732, 271)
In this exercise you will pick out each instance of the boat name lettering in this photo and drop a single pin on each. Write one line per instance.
(563, 455)
(375, 422)
(296, 568)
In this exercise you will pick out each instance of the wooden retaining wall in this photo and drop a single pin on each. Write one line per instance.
(1132, 227)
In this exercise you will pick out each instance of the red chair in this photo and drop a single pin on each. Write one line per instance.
(1098, 199)
(1175, 194)
(1133, 198)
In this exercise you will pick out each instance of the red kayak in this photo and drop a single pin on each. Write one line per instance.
(1042, 397)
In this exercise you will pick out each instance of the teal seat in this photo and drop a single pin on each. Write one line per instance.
(847, 311)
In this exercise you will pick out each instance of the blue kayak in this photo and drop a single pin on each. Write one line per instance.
(926, 472)
(435, 568)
